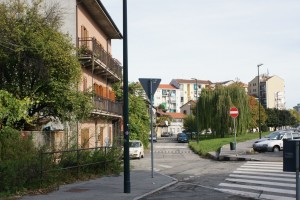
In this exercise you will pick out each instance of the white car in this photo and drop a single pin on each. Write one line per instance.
(136, 149)
(274, 141)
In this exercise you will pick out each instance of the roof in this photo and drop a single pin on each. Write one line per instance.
(102, 18)
(207, 82)
(176, 115)
(192, 102)
(166, 86)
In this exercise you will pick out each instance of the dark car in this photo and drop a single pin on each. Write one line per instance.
(154, 137)
(182, 137)
(165, 134)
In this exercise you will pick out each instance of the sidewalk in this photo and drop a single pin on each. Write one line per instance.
(243, 152)
(111, 188)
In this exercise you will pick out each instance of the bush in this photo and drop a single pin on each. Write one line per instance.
(19, 162)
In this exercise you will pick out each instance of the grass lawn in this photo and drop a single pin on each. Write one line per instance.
(206, 145)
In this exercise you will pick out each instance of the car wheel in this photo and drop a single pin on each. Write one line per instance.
(140, 156)
(276, 149)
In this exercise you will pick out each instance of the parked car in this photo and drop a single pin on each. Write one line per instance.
(154, 137)
(166, 134)
(274, 141)
(182, 137)
(136, 149)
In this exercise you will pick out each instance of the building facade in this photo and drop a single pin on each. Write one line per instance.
(272, 91)
(169, 97)
(189, 89)
(92, 30)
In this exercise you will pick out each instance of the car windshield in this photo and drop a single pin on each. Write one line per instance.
(275, 136)
(134, 144)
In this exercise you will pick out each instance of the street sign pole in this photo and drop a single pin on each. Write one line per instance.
(234, 113)
(151, 126)
(150, 86)
(235, 135)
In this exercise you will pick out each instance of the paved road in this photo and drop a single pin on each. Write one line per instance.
(197, 178)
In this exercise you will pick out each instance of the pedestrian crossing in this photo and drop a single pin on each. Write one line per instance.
(261, 180)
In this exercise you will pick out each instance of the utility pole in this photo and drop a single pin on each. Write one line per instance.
(197, 112)
(258, 78)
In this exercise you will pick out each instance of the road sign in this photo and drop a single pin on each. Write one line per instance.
(150, 85)
(234, 112)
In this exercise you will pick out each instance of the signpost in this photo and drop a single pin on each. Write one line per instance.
(150, 85)
(234, 113)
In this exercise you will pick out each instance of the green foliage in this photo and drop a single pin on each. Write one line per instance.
(214, 106)
(189, 123)
(213, 145)
(138, 115)
(279, 118)
(38, 62)
(19, 162)
(12, 109)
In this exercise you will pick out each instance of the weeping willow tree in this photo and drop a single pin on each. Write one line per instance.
(214, 106)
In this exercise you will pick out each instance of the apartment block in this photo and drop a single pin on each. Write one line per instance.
(168, 96)
(272, 91)
(189, 89)
(92, 30)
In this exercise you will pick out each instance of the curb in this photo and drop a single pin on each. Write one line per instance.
(174, 181)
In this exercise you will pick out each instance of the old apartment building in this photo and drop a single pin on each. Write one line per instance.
(92, 30)
(272, 91)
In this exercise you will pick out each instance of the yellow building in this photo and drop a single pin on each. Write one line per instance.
(272, 89)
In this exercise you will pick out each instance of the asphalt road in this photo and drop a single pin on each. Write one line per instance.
(197, 177)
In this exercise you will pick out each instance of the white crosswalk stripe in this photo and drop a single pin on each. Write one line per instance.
(261, 180)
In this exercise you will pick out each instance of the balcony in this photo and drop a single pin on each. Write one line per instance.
(93, 56)
(107, 107)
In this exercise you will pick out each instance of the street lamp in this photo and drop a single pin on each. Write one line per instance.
(197, 109)
(258, 80)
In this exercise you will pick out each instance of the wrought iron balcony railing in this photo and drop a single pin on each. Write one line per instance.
(107, 106)
(89, 47)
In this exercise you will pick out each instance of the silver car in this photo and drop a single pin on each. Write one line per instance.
(273, 141)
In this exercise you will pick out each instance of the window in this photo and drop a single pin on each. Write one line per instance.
(84, 36)
(84, 84)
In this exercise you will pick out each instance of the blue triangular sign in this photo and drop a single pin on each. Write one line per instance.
(150, 85)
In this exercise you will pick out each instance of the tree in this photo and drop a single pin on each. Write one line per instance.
(254, 120)
(38, 62)
(214, 106)
(296, 115)
(278, 118)
(12, 110)
(189, 123)
(139, 119)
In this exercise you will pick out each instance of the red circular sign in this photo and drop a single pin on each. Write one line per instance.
(234, 112)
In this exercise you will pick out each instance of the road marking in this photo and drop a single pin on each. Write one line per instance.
(266, 173)
(257, 195)
(259, 170)
(261, 182)
(259, 188)
(263, 178)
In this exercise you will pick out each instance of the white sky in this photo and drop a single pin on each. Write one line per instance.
(216, 40)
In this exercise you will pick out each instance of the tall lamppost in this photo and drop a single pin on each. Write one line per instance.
(258, 80)
(197, 109)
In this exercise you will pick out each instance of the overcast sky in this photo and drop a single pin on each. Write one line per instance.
(216, 40)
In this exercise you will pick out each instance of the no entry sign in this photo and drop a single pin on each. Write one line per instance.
(234, 112)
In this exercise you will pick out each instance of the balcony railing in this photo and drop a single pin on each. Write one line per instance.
(107, 106)
(89, 47)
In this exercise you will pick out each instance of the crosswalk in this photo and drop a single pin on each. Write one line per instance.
(261, 180)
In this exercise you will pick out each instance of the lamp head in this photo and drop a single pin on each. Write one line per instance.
(259, 65)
